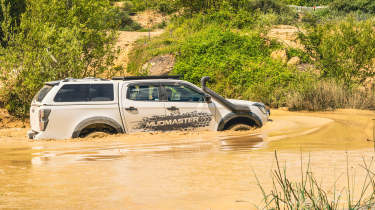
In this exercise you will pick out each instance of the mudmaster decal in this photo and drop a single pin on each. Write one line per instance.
(185, 121)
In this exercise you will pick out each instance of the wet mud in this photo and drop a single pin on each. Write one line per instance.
(181, 170)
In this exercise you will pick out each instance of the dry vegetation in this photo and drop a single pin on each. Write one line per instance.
(308, 193)
(8, 121)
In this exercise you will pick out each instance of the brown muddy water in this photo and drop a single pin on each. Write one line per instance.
(182, 170)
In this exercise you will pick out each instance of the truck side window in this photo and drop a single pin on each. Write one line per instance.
(181, 93)
(143, 93)
(73, 93)
(101, 92)
(85, 93)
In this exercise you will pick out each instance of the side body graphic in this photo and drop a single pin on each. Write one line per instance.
(185, 121)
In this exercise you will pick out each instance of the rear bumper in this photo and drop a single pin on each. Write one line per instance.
(37, 135)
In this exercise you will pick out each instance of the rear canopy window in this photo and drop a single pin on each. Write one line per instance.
(42, 93)
(85, 93)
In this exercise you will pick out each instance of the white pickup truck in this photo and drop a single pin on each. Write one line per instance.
(73, 108)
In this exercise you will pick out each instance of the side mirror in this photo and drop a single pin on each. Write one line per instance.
(207, 99)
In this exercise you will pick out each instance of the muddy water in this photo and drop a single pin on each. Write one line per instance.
(181, 170)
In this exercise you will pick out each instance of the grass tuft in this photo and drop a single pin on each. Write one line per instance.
(308, 193)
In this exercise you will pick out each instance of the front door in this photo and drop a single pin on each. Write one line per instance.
(141, 107)
(187, 109)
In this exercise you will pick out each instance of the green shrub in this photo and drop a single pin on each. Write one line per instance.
(304, 56)
(312, 18)
(366, 6)
(343, 50)
(219, 51)
(166, 7)
(128, 6)
(161, 25)
(207, 6)
(55, 40)
(16, 8)
(307, 2)
(270, 82)
(267, 6)
(125, 22)
(182, 28)
(240, 66)
(139, 5)
(162, 6)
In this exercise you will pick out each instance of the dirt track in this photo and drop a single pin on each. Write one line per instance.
(126, 39)
(125, 43)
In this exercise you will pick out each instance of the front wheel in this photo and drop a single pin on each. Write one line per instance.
(240, 127)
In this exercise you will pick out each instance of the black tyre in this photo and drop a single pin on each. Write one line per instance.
(97, 131)
(97, 134)
(240, 127)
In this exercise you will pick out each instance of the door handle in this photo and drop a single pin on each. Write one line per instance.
(132, 108)
(172, 108)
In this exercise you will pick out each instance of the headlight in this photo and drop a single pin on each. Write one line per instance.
(261, 107)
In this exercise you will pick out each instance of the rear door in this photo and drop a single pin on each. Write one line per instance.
(141, 107)
(187, 109)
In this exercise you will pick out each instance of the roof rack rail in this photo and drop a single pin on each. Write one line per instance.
(69, 79)
(147, 77)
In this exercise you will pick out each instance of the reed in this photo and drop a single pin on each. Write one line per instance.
(328, 95)
(308, 193)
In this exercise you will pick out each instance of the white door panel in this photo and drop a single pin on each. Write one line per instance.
(187, 109)
(191, 115)
(140, 105)
(139, 115)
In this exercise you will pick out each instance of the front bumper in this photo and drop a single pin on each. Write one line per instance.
(31, 134)
(268, 109)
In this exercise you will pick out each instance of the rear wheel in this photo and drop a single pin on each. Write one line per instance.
(97, 131)
(97, 134)
(240, 127)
